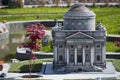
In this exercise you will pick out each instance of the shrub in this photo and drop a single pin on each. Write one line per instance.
(15, 4)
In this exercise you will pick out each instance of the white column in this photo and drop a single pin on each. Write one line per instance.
(67, 56)
(92, 55)
(83, 55)
(75, 55)
(55, 54)
(103, 53)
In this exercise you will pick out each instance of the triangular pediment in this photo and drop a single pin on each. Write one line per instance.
(79, 35)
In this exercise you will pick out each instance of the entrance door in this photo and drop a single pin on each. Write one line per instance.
(79, 54)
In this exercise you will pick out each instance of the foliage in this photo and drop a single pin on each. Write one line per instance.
(42, 2)
(20, 4)
(109, 16)
(57, 2)
(22, 67)
(117, 64)
(15, 4)
(47, 48)
(69, 3)
(110, 47)
(34, 33)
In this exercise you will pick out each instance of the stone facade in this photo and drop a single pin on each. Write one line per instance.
(79, 44)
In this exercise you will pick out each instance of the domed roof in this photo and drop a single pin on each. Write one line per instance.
(79, 17)
(79, 10)
(79, 7)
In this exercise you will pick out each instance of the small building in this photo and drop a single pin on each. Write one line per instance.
(80, 44)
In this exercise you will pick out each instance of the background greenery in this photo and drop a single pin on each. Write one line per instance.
(109, 16)
(110, 47)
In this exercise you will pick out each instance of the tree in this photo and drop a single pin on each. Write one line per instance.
(42, 2)
(57, 2)
(107, 2)
(20, 3)
(69, 3)
(34, 33)
(94, 2)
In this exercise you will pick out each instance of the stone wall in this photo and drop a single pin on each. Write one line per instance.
(24, 56)
(4, 38)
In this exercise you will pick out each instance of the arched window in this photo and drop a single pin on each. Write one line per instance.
(98, 57)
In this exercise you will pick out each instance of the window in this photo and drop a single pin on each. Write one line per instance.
(60, 46)
(98, 46)
(98, 57)
(86, 46)
(71, 46)
(60, 58)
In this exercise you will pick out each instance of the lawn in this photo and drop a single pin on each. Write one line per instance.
(110, 47)
(109, 16)
(34, 10)
(22, 67)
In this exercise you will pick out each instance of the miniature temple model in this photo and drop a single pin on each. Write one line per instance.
(79, 45)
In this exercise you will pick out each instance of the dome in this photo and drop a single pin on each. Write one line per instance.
(79, 17)
(79, 7)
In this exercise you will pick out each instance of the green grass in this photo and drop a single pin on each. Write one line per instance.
(117, 64)
(110, 47)
(22, 67)
(109, 16)
(32, 17)
(34, 10)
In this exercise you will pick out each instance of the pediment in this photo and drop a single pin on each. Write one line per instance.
(79, 35)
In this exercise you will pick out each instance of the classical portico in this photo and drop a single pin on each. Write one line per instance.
(79, 44)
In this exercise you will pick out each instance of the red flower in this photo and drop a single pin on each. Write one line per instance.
(34, 32)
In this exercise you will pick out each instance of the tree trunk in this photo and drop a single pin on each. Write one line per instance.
(107, 2)
(94, 3)
(57, 2)
(42, 3)
(84, 1)
(69, 3)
